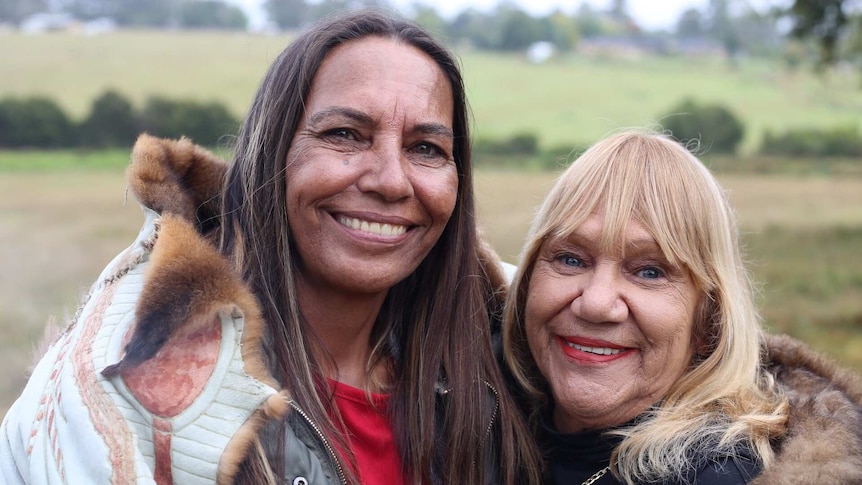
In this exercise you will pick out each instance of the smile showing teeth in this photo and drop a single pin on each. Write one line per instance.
(595, 350)
(372, 227)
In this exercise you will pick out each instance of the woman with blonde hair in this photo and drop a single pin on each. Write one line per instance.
(632, 334)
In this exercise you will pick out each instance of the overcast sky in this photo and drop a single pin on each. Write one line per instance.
(650, 14)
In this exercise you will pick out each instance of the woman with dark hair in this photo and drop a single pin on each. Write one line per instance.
(317, 312)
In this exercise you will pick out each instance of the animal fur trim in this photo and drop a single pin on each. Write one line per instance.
(189, 282)
(824, 438)
(176, 177)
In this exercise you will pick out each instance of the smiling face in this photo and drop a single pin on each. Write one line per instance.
(611, 331)
(371, 177)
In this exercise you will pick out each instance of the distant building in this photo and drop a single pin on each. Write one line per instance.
(539, 52)
(622, 47)
(62, 22)
(47, 22)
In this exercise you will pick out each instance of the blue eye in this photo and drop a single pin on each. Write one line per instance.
(570, 260)
(650, 273)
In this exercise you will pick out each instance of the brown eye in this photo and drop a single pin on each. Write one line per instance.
(339, 134)
(427, 149)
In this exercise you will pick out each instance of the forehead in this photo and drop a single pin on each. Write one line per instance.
(382, 73)
(617, 237)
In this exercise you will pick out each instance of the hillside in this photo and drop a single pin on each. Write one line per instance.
(567, 101)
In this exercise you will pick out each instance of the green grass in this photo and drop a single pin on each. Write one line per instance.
(812, 286)
(62, 160)
(59, 227)
(63, 216)
(568, 101)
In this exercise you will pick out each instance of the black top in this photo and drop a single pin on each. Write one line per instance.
(575, 457)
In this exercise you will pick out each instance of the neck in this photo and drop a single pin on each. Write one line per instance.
(343, 323)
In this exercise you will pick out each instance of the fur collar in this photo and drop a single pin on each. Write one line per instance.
(824, 438)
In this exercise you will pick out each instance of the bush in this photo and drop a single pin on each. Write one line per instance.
(715, 127)
(204, 123)
(36, 122)
(519, 144)
(808, 142)
(111, 123)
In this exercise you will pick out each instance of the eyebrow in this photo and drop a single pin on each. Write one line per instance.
(341, 111)
(639, 245)
(437, 129)
(434, 129)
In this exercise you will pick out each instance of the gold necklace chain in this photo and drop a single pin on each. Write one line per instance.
(599, 474)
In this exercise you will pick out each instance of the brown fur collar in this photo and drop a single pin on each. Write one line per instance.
(176, 177)
(189, 283)
(824, 438)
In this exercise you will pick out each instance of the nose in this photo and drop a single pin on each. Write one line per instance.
(387, 173)
(601, 299)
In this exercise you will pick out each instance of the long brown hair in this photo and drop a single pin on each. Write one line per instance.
(434, 325)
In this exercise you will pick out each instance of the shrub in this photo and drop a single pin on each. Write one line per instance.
(807, 142)
(205, 123)
(36, 122)
(519, 144)
(111, 123)
(715, 127)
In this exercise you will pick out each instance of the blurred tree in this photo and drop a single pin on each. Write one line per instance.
(619, 11)
(824, 21)
(854, 40)
(287, 14)
(111, 123)
(323, 8)
(690, 24)
(211, 14)
(84, 9)
(149, 13)
(721, 28)
(563, 30)
(475, 27)
(14, 11)
(589, 21)
(428, 18)
(758, 33)
(517, 28)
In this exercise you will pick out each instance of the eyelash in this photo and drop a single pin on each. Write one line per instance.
(348, 134)
(436, 150)
(563, 257)
(659, 272)
(578, 262)
(340, 133)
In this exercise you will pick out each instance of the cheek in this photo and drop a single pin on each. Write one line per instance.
(539, 310)
(439, 193)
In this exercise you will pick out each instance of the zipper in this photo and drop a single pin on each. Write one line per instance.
(323, 440)
(444, 391)
(494, 415)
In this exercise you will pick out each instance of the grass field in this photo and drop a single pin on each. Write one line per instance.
(568, 101)
(63, 215)
(60, 227)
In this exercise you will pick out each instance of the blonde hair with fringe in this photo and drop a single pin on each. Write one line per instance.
(725, 399)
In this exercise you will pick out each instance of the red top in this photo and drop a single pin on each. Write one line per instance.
(370, 435)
